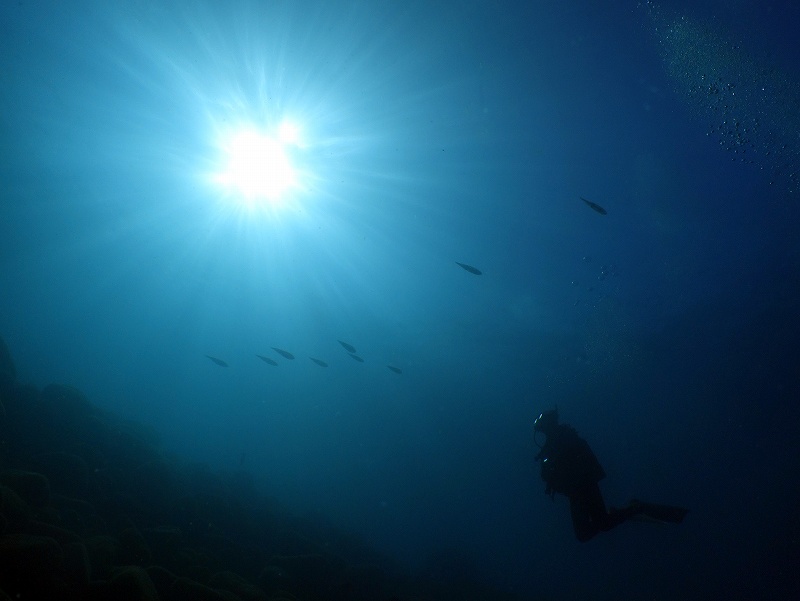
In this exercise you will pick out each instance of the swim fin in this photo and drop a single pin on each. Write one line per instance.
(651, 512)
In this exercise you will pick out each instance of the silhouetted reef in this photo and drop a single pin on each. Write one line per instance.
(91, 508)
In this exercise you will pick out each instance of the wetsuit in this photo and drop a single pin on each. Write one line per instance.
(570, 468)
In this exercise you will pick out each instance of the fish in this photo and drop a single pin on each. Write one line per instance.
(219, 362)
(319, 362)
(268, 360)
(595, 206)
(283, 353)
(348, 347)
(469, 268)
(356, 357)
(396, 370)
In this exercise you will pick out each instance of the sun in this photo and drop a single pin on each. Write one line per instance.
(257, 166)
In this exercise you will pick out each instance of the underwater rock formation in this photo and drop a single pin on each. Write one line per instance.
(90, 508)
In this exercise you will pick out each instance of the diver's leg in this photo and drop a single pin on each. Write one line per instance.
(605, 520)
(582, 523)
(588, 512)
(658, 513)
(616, 516)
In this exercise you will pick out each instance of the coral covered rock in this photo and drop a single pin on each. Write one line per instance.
(76, 565)
(67, 473)
(132, 582)
(30, 566)
(133, 548)
(13, 508)
(7, 372)
(229, 581)
(184, 589)
(30, 486)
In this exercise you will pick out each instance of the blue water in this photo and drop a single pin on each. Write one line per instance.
(432, 133)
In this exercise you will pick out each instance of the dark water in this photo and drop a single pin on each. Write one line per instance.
(431, 135)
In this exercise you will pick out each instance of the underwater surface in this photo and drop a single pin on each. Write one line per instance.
(334, 259)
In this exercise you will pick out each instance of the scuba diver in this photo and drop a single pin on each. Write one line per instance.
(569, 467)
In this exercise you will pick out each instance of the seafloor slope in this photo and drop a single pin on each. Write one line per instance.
(90, 508)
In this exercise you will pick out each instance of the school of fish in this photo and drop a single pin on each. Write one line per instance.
(349, 348)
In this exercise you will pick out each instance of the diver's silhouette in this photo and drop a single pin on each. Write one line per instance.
(569, 467)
